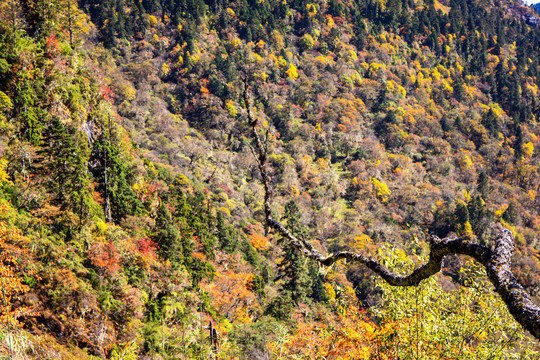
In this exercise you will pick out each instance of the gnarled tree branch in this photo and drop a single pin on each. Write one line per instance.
(497, 262)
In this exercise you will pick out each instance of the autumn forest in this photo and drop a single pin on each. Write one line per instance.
(269, 179)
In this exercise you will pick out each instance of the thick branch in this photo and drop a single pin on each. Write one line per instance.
(497, 262)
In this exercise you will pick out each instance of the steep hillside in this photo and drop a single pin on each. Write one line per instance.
(131, 207)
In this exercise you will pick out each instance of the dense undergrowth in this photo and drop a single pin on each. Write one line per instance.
(131, 219)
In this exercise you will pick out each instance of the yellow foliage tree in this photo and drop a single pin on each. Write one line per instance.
(152, 20)
(292, 72)
(528, 149)
(72, 19)
(381, 189)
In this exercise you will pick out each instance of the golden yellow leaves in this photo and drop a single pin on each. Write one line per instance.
(465, 230)
(330, 21)
(260, 75)
(381, 189)
(312, 9)
(381, 3)
(495, 109)
(352, 78)
(152, 20)
(277, 39)
(294, 190)
(528, 149)
(362, 242)
(231, 109)
(393, 87)
(256, 57)
(4, 177)
(224, 210)
(234, 42)
(502, 209)
(287, 67)
(466, 195)
(292, 72)
(438, 6)
(464, 160)
(165, 69)
(323, 164)
(375, 66)
(182, 179)
(349, 54)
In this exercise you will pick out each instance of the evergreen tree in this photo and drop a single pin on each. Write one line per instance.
(183, 216)
(489, 120)
(518, 145)
(167, 236)
(477, 212)
(67, 157)
(318, 292)
(483, 185)
(114, 178)
(510, 215)
(250, 254)
(461, 216)
(227, 236)
(462, 213)
(28, 112)
(294, 270)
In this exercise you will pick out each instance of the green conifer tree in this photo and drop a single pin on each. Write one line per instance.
(114, 177)
(167, 236)
(67, 155)
(483, 185)
(227, 237)
(318, 292)
(294, 269)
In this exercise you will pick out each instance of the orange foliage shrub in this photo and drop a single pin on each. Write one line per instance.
(104, 256)
(348, 336)
(232, 296)
(259, 242)
(12, 250)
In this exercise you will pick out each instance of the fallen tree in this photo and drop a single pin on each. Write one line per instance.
(497, 261)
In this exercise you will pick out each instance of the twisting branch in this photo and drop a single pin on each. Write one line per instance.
(497, 262)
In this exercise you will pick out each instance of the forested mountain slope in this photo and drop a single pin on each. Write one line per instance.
(131, 206)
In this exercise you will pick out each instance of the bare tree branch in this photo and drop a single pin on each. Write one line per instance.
(497, 262)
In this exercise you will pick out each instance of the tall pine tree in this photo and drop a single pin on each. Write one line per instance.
(294, 269)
